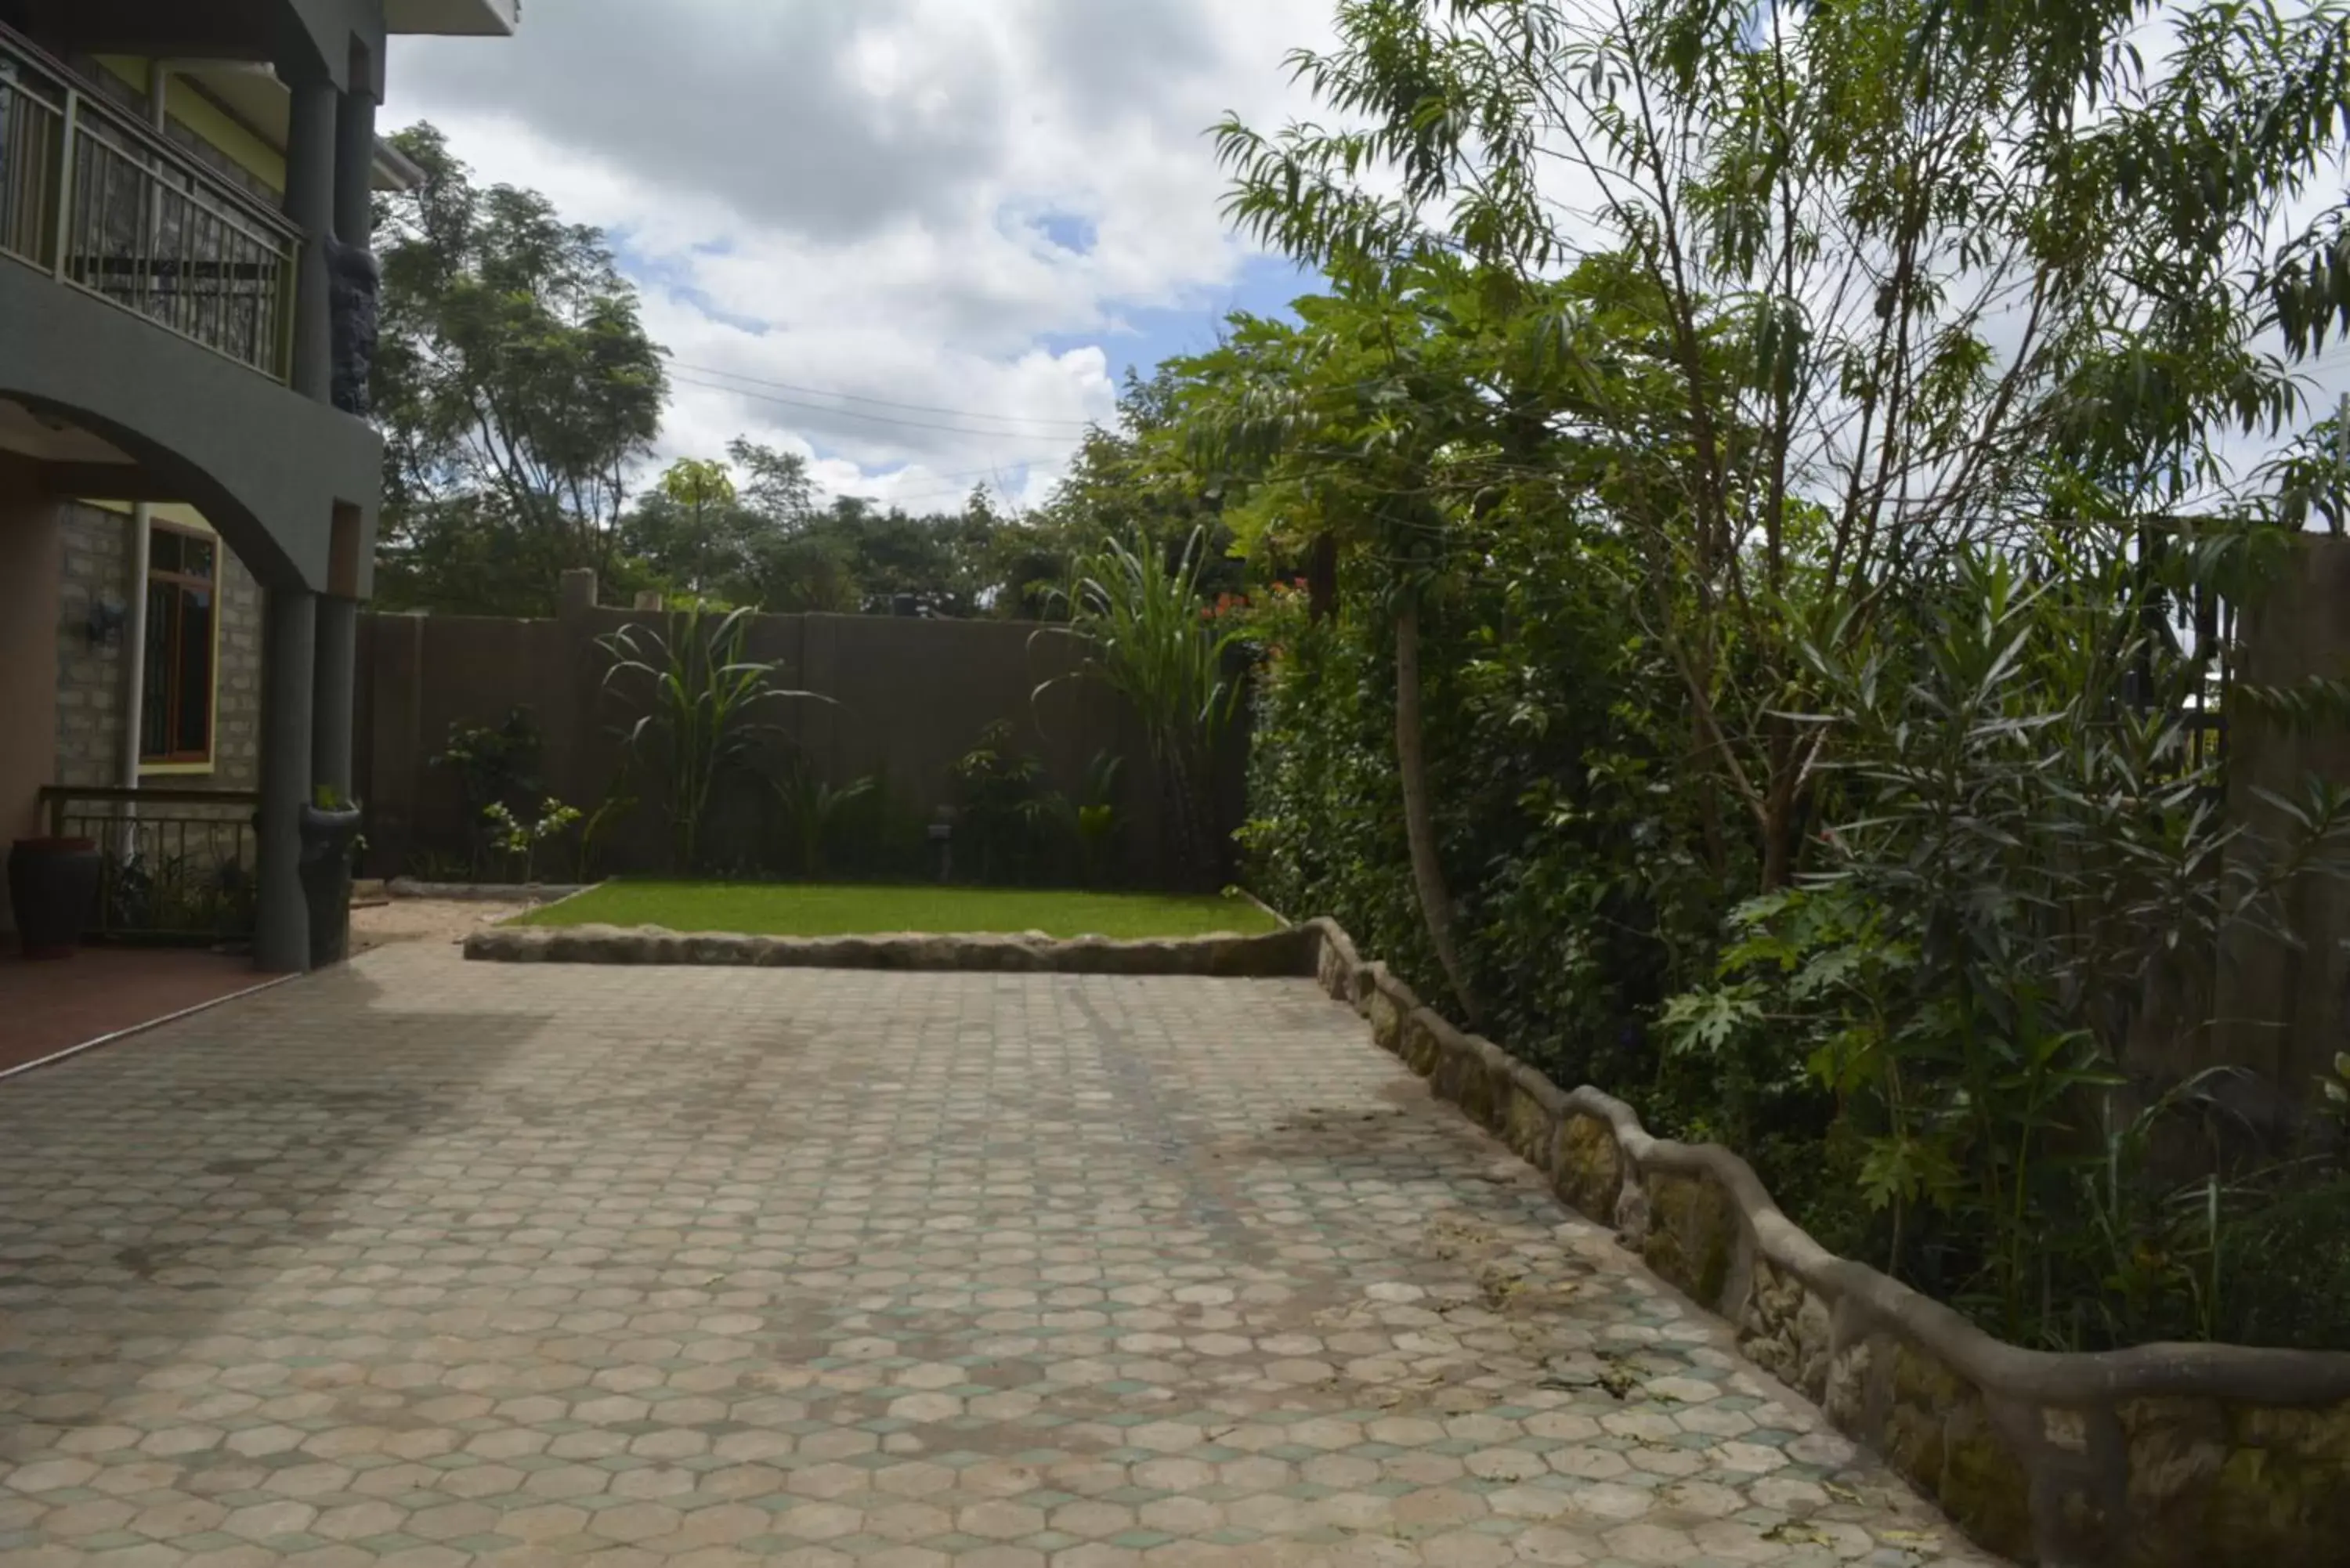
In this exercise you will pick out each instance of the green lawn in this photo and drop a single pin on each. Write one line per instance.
(792, 910)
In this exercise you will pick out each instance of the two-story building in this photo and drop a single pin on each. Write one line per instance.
(188, 479)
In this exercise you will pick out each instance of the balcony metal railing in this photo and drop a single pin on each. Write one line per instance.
(179, 863)
(104, 203)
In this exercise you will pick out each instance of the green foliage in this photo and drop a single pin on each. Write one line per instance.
(1095, 820)
(1856, 286)
(515, 386)
(769, 545)
(519, 840)
(1584, 899)
(816, 813)
(703, 704)
(1127, 483)
(1003, 810)
(1135, 614)
(818, 910)
(184, 893)
(1772, 467)
(597, 827)
(2026, 865)
(495, 766)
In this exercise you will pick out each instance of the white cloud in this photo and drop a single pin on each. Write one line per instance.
(922, 201)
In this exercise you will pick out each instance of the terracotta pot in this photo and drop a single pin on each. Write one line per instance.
(53, 884)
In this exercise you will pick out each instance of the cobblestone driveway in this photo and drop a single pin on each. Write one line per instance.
(425, 1263)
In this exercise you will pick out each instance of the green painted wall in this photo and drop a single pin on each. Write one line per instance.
(207, 123)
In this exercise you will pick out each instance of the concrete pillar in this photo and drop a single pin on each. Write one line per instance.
(574, 592)
(334, 694)
(310, 134)
(355, 169)
(281, 941)
(2283, 1007)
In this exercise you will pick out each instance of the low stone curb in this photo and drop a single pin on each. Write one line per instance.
(1289, 952)
(2160, 1455)
(485, 892)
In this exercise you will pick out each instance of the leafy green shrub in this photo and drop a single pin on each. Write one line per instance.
(703, 704)
(1564, 827)
(1137, 615)
(2026, 865)
(815, 817)
(495, 766)
(1003, 811)
(521, 839)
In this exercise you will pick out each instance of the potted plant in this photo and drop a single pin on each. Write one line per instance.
(53, 887)
(330, 839)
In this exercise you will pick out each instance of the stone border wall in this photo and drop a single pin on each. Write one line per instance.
(1288, 952)
(2161, 1455)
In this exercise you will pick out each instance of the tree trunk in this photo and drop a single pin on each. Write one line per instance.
(1186, 827)
(1781, 827)
(1418, 819)
(1322, 577)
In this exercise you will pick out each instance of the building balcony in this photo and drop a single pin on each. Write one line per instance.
(453, 18)
(101, 203)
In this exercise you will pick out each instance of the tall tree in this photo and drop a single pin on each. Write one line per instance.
(1416, 396)
(691, 527)
(1916, 275)
(515, 383)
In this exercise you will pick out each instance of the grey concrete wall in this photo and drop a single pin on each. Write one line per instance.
(902, 699)
(2284, 1007)
(265, 465)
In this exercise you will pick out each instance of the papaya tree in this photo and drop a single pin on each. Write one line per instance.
(1410, 399)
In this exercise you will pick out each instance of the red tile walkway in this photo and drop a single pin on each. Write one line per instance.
(52, 1005)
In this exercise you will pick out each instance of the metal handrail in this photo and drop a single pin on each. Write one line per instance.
(55, 796)
(168, 871)
(62, 79)
(107, 204)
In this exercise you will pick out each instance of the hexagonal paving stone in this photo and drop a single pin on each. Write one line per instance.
(649, 1268)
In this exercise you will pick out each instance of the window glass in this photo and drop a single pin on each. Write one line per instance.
(155, 686)
(192, 735)
(175, 703)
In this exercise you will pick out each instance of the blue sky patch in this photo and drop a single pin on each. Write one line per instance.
(652, 272)
(1069, 232)
(1154, 333)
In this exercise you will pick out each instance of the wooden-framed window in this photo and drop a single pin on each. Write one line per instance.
(176, 692)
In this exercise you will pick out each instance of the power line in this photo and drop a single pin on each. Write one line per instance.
(1077, 425)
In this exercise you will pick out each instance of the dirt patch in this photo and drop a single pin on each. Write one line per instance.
(423, 920)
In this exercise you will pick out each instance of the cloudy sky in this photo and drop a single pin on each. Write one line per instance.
(921, 240)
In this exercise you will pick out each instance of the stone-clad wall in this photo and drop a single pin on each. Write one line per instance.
(92, 685)
(91, 690)
(2162, 1455)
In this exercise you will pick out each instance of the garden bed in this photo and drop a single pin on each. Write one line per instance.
(810, 910)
